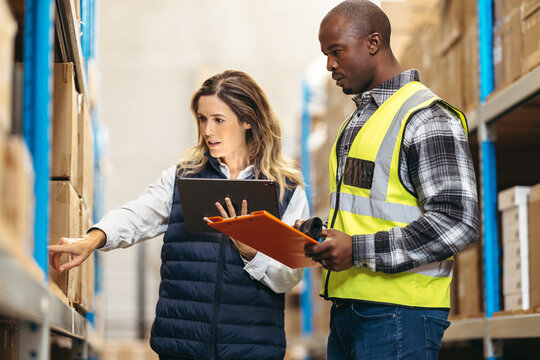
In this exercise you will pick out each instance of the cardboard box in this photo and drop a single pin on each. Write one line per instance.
(65, 126)
(17, 192)
(508, 49)
(471, 67)
(511, 202)
(534, 246)
(531, 34)
(85, 168)
(8, 29)
(513, 301)
(512, 269)
(452, 91)
(450, 23)
(502, 7)
(468, 280)
(87, 269)
(514, 196)
(65, 222)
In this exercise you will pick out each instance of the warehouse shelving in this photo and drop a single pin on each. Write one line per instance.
(497, 327)
(498, 107)
(499, 114)
(41, 316)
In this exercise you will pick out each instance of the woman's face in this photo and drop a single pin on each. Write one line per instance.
(225, 136)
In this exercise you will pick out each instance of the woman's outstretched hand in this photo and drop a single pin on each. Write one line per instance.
(245, 250)
(79, 249)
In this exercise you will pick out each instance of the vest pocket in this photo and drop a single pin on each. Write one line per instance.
(358, 173)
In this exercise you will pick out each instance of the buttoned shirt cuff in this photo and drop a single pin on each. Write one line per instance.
(110, 233)
(257, 266)
(363, 247)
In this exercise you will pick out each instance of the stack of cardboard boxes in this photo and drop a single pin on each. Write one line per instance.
(71, 184)
(513, 207)
(520, 211)
(516, 41)
(444, 48)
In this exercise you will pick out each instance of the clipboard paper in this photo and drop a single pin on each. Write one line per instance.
(269, 235)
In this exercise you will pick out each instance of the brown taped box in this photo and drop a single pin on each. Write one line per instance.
(452, 61)
(65, 145)
(65, 206)
(531, 34)
(8, 29)
(85, 168)
(450, 23)
(502, 7)
(471, 68)
(87, 269)
(508, 49)
(17, 192)
(534, 246)
(468, 280)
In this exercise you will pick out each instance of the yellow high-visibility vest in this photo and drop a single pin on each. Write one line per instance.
(371, 198)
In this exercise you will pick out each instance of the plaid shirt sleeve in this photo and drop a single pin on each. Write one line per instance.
(436, 166)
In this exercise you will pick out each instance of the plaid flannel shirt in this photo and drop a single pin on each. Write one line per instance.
(436, 167)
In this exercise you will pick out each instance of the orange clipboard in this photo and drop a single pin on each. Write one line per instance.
(269, 235)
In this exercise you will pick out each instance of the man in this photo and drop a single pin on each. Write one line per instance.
(403, 198)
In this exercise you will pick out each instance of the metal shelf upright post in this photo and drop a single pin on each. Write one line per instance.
(37, 133)
(492, 349)
(305, 296)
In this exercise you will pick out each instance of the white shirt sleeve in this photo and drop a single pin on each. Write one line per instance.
(141, 219)
(148, 216)
(278, 277)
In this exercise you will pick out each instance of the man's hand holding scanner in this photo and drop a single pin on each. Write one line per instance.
(79, 249)
(334, 250)
(246, 251)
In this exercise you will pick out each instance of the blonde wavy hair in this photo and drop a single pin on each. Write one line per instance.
(249, 103)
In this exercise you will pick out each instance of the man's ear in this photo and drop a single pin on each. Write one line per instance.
(375, 41)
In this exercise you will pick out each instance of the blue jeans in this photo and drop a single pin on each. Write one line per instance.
(361, 330)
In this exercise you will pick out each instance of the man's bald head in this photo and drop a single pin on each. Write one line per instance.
(365, 18)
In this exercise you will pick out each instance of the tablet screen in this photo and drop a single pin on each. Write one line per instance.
(198, 197)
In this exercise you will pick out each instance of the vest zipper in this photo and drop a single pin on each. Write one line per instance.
(336, 209)
(217, 294)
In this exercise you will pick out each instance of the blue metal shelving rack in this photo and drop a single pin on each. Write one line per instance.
(305, 162)
(38, 56)
(39, 310)
(488, 177)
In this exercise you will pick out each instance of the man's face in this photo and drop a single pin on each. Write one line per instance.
(348, 56)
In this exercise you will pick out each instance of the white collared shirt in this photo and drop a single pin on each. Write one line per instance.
(148, 217)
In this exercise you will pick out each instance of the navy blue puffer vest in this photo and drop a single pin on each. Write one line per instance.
(209, 307)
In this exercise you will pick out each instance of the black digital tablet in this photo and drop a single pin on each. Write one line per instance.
(198, 197)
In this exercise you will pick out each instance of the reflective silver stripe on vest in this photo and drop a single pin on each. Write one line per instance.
(436, 269)
(379, 209)
(381, 173)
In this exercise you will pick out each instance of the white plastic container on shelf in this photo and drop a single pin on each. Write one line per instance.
(515, 240)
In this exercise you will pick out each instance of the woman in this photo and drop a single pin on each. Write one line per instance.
(219, 299)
